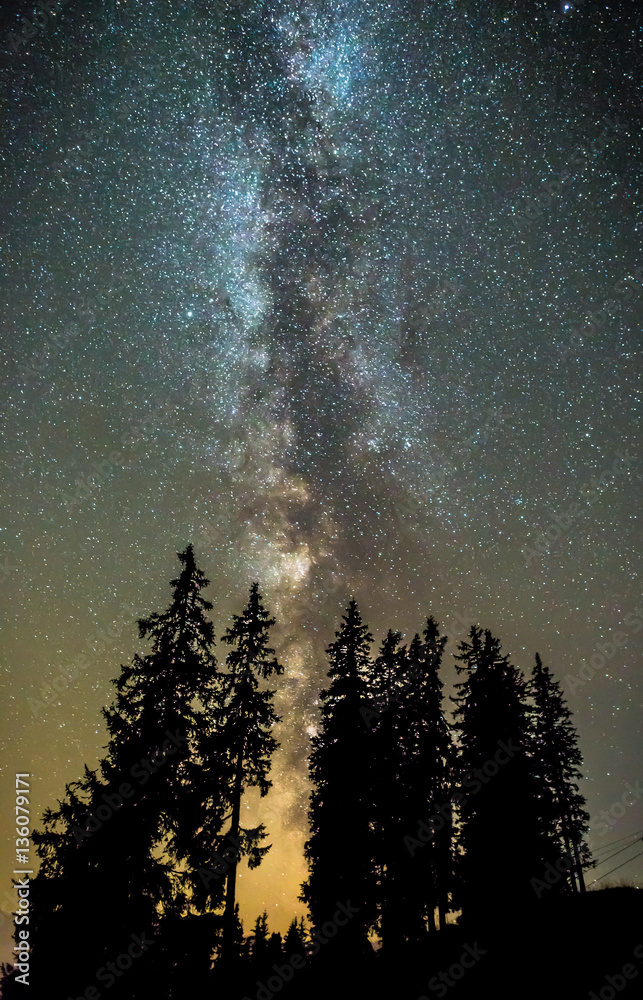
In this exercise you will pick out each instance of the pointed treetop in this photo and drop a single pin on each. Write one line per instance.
(249, 633)
(547, 692)
(432, 636)
(187, 602)
(391, 641)
(352, 619)
(352, 642)
(191, 578)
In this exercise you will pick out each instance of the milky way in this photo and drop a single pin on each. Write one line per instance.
(347, 295)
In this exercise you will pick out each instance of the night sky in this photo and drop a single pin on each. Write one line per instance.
(347, 295)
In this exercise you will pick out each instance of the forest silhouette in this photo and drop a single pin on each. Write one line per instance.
(444, 858)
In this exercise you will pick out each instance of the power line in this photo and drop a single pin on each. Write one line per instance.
(626, 848)
(611, 843)
(617, 867)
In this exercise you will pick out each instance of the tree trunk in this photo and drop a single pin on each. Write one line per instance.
(231, 879)
(579, 868)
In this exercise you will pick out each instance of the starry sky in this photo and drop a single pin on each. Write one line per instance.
(346, 294)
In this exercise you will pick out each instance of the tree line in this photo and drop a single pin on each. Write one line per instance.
(412, 818)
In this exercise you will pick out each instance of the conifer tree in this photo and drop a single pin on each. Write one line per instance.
(74, 896)
(340, 848)
(260, 945)
(501, 833)
(275, 949)
(389, 750)
(429, 775)
(295, 940)
(412, 788)
(115, 851)
(168, 698)
(557, 762)
(245, 719)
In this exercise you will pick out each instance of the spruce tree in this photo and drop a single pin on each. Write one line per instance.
(275, 952)
(260, 944)
(429, 777)
(295, 940)
(389, 750)
(114, 854)
(557, 762)
(340, 848)
(501, 834)
(245, 717)
(167, 699)
(412, 788)
(74, 896)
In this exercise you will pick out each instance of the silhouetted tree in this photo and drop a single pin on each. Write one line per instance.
(70, 898)
(115, 852)
(428, 777)
(557, 763)
(501, 834)
(412, 788)
(171, 694)
(275, 949)
(389, 758)
(260, 945)
(245, 718)
(295, 940)
(340, 849)
(238, 936)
